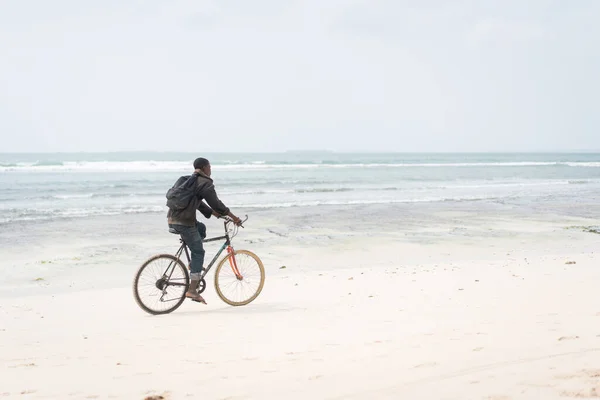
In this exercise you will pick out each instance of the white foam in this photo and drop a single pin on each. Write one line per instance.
(73, 196)
(33, 214)
(184, 166)
(583, 164)
(359, 202)
(42, 214)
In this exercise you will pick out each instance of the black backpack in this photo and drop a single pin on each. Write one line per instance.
(179, 196)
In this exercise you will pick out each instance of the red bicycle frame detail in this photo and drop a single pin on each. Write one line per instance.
(233, 263)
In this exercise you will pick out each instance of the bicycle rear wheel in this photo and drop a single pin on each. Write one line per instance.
(239, 291)
(160, 284)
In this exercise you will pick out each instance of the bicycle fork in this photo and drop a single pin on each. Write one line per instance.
(233, 263)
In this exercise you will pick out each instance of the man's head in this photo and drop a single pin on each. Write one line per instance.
(202, 164)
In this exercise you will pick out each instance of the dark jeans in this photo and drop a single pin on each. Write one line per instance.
(192, 236)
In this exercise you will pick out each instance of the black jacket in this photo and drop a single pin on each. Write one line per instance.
(205, 190)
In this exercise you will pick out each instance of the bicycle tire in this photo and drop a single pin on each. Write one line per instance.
(258, 290)
(136, 294)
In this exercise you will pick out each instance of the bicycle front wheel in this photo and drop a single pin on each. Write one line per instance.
(239, 289)
(160, 284)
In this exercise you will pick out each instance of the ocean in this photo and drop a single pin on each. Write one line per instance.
(45, 187)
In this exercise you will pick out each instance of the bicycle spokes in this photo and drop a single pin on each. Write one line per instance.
(242, 287)
(160, 284)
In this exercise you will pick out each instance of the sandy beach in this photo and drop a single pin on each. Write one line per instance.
(421, 181)
(469, 305)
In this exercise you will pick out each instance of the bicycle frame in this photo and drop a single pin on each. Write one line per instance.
(177, 286)
(226, 245)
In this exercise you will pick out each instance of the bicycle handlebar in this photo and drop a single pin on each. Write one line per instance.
(229, 220)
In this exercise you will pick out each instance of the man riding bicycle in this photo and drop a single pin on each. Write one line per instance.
(191, 230)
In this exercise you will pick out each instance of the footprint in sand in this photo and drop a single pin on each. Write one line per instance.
(155, 397)
(594, 373)
(592, 393)
(431, 364)
(22, 365)
(592, 377)
(590, 373)
(560, 339)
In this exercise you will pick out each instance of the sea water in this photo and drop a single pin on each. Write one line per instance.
(44, 187)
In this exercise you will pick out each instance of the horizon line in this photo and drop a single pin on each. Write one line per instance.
(315, 151)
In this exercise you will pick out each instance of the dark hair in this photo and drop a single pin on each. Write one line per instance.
(200, 163)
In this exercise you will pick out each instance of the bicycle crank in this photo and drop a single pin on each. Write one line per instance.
(201, 286)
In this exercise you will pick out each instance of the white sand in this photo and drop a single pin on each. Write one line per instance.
(359, 318)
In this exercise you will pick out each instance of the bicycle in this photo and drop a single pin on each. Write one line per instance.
(245, 268)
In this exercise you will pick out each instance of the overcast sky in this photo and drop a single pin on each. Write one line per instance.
(272, 75)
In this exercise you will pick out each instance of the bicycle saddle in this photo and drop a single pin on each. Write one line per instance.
(172, 230)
